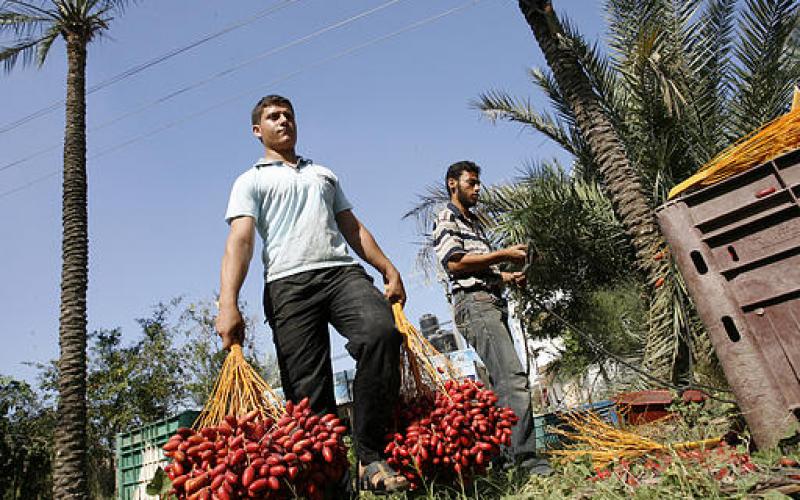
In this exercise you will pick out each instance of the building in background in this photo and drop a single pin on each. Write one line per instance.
(443, 340)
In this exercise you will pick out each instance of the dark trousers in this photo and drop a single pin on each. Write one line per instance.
(299, 309)
(483, 320)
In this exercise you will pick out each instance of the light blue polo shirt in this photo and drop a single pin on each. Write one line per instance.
(294, 210)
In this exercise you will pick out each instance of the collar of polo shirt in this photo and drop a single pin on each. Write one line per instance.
(301, 162)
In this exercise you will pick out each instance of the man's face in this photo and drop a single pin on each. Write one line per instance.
(277, 129)
(468, 189)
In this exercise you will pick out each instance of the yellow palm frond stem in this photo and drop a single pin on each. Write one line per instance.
(603, 443)
(425, 370)
(239, 389)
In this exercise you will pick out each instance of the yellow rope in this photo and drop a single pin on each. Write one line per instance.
(777, 137)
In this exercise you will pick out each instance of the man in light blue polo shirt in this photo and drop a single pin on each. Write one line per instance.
(306, 224)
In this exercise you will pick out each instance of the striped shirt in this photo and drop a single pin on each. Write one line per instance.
(454, 234)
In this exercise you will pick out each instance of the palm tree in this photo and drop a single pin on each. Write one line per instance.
(621, 180)
(667, 100)
(681, 82)
(678, 87)
(601, 142)
(35, 27)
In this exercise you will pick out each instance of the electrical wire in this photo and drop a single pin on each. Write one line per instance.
(597, 347)
(318, 63)
(225, 72)
(148, 64)
(532, 253)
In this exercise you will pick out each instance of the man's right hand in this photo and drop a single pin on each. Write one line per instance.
(230, 326)
(516, 253)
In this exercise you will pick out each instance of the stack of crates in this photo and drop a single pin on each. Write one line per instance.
(139, 454)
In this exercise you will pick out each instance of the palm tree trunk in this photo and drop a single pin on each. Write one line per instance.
(69, 476)
(620, 180)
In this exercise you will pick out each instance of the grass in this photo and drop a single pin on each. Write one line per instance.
(725, 472)
(683, 478)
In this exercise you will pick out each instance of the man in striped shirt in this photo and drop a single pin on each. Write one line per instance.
(481, 313)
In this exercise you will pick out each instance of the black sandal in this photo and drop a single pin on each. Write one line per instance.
(373, 478)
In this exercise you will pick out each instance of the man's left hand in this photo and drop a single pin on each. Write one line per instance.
(393, 286)
(516, 278)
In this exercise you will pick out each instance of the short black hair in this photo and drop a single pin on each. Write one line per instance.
(455, 170)
(268, 100)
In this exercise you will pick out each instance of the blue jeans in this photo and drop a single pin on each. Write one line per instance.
(482, 318)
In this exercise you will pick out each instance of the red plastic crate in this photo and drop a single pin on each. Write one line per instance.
(737, 244)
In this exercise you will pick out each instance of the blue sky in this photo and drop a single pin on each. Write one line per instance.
(388, 119)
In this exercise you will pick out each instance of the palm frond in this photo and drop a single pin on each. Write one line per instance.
(34, 28)
(763, 76)
(546, 82)
(623, 18)
(118, 6)
(20, 24)
(429, 204)
(656, 71)
(499, 105)
(569, 221)
(24, 51)
(682, 21)
(28, 9)
(708, 61)
(601, 73)
(44, 45)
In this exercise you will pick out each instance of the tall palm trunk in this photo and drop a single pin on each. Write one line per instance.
(620, 180)
(69, 476)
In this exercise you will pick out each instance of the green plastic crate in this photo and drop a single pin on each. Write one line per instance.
(139, 454)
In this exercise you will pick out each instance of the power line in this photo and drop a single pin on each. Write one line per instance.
(599, 348)
(321, 62)
(199, 83)
(148, 64)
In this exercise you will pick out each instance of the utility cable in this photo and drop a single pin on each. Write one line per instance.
(321, 62)
(199, 83)
(532, 253)
(598, 347)
(149, 64)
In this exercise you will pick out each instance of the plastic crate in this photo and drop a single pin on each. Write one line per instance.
(737, 244)
(641, 407)
(139, 454)
(544, 425)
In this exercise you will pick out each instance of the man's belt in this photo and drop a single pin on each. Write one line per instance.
(479, 288)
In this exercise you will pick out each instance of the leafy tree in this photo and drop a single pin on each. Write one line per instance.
(169, 367)
(202, 348)
(35, 26)
(26, 430)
